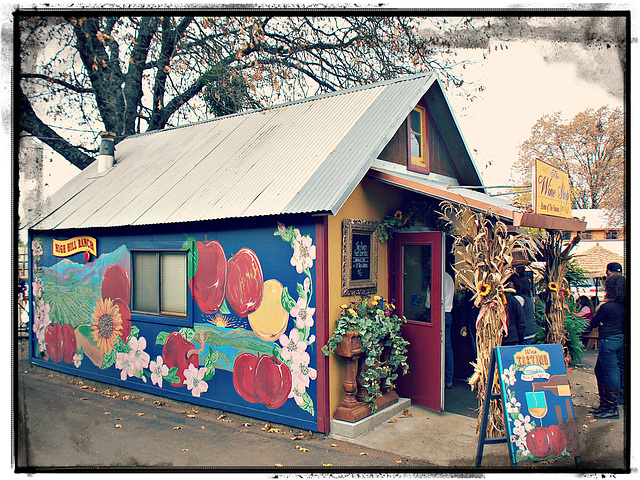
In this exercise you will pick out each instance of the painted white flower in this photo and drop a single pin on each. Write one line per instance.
(139, 358)
(37, 287)
(302, 372)
(123, 362)
(158, 371)
(303, 314)
(304, 252)
(77, 359)
(193, 379)
(292, 346)
(509, 375)
(41, 321)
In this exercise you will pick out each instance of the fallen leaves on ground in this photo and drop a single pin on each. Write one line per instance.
(117, 425)
(302, 449)
(176, 428)
(327, 465)
(364, 454)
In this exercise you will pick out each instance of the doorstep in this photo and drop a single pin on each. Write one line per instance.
(343, 429)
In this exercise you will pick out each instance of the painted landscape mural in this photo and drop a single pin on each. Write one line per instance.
(247, 344)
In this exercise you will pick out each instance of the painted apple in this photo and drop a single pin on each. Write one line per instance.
(116, 284)
(68, 342)
(244, 374)
(87, 256)
(179, 352)
(208, 283)
(125, 314)
(54, 340)
(557, 439)
(272, 381)
(538, 442)
(245, 283)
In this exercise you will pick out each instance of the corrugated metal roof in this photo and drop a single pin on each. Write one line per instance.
(303, 157)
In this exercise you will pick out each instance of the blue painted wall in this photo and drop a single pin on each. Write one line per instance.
(98, 336)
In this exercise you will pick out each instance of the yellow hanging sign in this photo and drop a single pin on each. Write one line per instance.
(551, 190)
(65, 248)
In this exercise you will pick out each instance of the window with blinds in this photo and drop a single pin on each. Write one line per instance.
(160, 283)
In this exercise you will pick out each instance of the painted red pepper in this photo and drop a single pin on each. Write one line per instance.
(208, 283)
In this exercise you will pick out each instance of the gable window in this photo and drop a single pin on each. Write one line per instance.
(418, 141)
(160, 283)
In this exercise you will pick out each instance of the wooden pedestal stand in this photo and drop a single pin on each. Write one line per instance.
(353, 408)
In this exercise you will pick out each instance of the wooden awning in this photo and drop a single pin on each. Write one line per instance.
(479, 201)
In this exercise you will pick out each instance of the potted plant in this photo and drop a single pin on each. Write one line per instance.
(369, 330)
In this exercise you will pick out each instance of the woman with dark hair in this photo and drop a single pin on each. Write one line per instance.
(585, 307)
(610, 322)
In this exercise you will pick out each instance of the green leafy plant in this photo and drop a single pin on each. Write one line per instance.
(384, 350)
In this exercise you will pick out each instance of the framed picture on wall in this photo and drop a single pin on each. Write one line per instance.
(359, 257)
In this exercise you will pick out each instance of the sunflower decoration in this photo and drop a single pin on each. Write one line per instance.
(503, 297)
(106, 324)
(484, 289)
(553, 286)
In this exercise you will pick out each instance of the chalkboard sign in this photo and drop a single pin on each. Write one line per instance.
(359, 257)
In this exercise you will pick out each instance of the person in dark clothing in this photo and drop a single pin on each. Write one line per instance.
(610, 319)
(523, 296)
(515, 321)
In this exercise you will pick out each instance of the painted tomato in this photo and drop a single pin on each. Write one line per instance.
(179, 352)
(245, 282)
(55, 342)
(208, 283)
(557, 440)
(116, 284)
(272, 381)
(69, 344)
(538, 442)
(244, 373)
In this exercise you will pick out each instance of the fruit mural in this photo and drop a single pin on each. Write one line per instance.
(248, 340)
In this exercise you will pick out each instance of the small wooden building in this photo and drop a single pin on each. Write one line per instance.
(207, 263)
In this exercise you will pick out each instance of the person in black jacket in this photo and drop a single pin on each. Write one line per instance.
(610, 319)
(524, 297)
(515, 321)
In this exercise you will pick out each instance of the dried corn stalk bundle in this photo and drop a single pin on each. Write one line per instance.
(485, 252)
(555, 286)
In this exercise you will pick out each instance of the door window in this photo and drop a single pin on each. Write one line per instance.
(417, 283)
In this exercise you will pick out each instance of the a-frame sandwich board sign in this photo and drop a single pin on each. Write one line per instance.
(536, 401)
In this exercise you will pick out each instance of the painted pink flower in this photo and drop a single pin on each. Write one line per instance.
(124, 363)
(158, 371)
(193, 379)
(303, 314)
(302, 372)
(304, 252)
(292, 346)
(140, 358)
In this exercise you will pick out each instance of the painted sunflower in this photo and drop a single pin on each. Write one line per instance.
(553, 286)
(485, 289)
(106, 324)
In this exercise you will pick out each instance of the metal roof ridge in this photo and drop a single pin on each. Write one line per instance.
(320, 96)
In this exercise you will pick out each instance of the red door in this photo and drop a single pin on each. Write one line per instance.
(417, 267)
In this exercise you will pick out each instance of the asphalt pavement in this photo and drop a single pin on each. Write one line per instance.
(62, 422)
